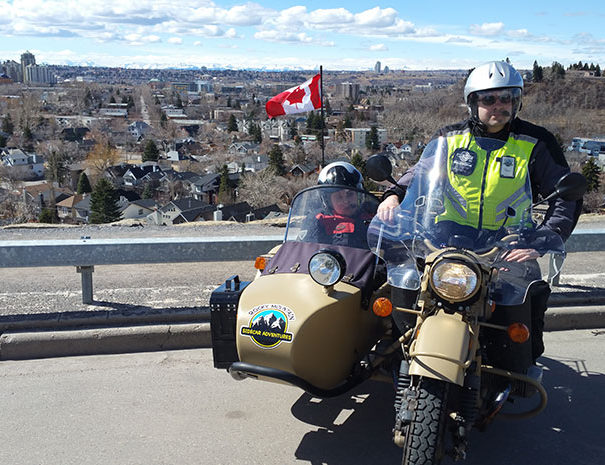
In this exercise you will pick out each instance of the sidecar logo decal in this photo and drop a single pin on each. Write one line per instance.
(268, 325)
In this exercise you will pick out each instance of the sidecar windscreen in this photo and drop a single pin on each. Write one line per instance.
(334, 215)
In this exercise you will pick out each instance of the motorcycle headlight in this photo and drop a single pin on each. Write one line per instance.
(327, 268)
(454, 281)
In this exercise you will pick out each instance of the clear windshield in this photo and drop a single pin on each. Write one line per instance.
(331, 215)
(436, 214)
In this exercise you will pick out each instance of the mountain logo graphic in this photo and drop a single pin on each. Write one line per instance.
(268, 328)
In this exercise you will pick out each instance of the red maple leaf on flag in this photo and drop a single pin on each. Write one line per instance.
(296, 96)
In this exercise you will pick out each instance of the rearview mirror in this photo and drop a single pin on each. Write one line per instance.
(571, 187)
(378, 168)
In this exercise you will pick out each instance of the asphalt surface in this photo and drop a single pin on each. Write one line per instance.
(168, 408)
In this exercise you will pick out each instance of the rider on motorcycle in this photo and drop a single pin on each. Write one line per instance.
(344, 219)
(482, 192)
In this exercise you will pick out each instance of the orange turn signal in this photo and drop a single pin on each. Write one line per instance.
(382, 306)
(518, 333)
(260, 263)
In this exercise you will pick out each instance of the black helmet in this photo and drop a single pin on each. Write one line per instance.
(341, 173)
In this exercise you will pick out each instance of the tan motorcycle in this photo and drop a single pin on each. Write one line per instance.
(418, 299)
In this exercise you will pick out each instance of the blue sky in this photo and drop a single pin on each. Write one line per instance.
(270, 34)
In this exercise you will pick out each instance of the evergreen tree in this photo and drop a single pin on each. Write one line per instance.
(27, 134)
(358, 162)
(112, 99)
(147, 191)
(592, 172)
(597, 71)
(151, 152)
(327, 107)
(372, 141)
(2, 141)
(557, 71)
(538, 72)
(293, 131)
(163, 120)
(104, 206)
(255, 131)
(179, 102)
(225, 193)
(276, 160)
(348, 123)
(84, 186)
(8, 125)
(232, 125)
(48, 215)
(311, 125)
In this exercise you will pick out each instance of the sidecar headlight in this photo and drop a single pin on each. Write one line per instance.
(454, 281)
(327, 268)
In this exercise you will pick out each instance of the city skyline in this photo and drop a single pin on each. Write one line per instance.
(287, 35)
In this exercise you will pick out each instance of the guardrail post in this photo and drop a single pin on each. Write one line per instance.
(555, 263)
(86, 272)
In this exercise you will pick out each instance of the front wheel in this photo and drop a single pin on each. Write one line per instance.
(424, 442)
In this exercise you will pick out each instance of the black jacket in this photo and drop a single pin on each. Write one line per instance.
(547, 165)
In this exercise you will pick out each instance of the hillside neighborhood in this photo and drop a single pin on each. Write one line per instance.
(174, 147)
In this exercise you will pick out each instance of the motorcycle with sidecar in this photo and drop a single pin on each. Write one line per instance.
(433, 308)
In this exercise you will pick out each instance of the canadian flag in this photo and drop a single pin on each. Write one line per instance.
(299, 99)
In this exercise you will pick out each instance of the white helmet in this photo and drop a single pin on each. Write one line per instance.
(341, 173)
(493, 75)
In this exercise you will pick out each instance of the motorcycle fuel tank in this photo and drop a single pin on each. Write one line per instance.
(289, 322)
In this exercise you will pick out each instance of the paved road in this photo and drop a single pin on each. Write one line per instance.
(173, 408)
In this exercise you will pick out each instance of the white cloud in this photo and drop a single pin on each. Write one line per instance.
(175, 40)
(378, 48)
(197, 43)
(281, 36)
(518, 33)
(377, 17)
(330, 17)
(487, 29)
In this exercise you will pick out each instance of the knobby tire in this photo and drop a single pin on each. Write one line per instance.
(425, 434)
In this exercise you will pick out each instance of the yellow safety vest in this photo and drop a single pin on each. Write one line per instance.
(482, 185)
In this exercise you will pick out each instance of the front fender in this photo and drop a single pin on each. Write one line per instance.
(441, 348)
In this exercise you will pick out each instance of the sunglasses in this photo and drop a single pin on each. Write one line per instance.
(489, 100)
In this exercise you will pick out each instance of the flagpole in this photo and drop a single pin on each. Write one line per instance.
(323, 124)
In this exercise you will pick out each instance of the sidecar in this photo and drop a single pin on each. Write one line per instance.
(306, 319)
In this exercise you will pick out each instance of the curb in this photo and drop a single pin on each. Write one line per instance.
(60, 336)
(25, 345)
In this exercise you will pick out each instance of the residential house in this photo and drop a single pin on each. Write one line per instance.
(276, 129)
(243, 148)
(133, 176)
(83, 210)
(303, 169)
(66, 209)
(42, 193)
(253, 163)
(116, 173)
(242, 212)
(204, 188)
(202, 213)
(30, 165)
(139, 129)
(166, 214)
(141, 208)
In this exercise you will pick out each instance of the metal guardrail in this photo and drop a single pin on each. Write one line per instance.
(85, 253)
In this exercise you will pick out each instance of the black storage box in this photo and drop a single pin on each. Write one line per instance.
(223, 317)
